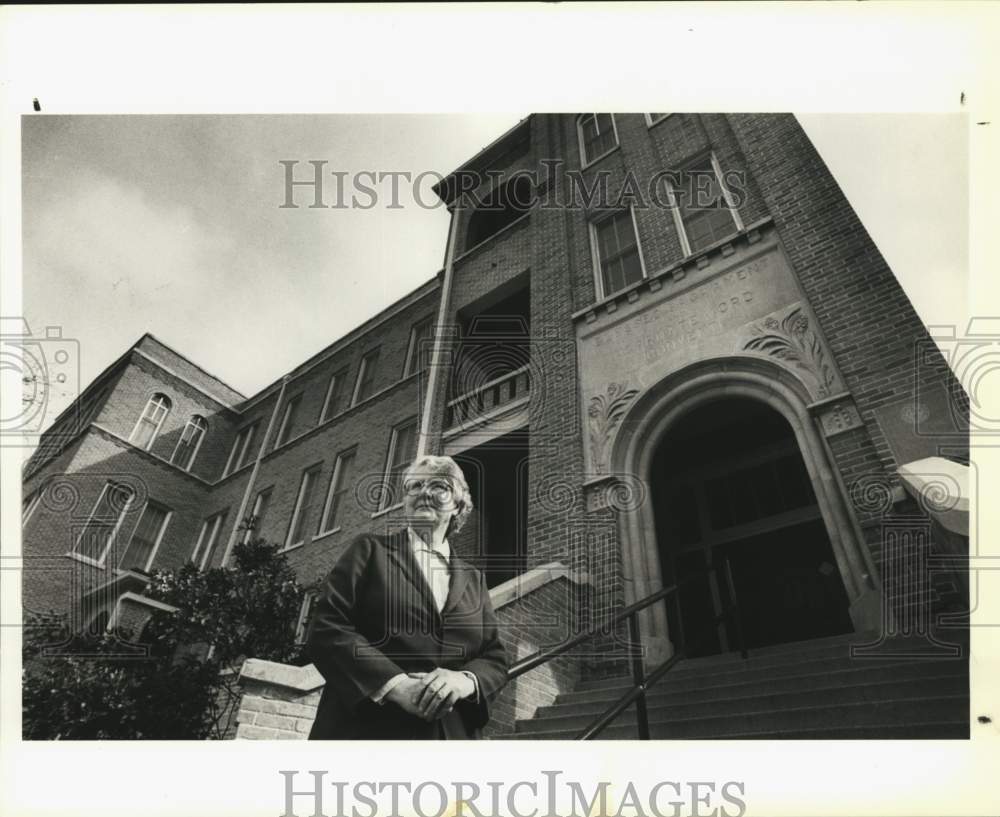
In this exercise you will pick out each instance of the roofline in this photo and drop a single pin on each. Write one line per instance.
(437, 187)
(201, 369)
(350, 336)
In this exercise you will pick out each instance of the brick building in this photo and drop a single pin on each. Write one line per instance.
(663, 348)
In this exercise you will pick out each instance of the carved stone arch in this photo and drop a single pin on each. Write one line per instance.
(649, 419)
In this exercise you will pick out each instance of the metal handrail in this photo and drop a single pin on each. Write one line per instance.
(641, 682)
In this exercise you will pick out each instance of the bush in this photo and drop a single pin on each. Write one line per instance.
(186, 686)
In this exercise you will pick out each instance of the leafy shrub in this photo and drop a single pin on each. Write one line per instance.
(184, 685)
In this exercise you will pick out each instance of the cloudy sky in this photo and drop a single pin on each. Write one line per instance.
(172, 225)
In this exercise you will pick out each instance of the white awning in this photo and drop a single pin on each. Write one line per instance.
(941, 487)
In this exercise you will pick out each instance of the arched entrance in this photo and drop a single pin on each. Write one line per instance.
(691, 391)
(730, 490)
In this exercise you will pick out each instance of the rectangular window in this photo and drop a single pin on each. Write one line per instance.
(30, 502)
(305, 614)
(101, 529)
(334, 396)
(597, 135)
(340, 481)
(208, 541)
(418, 356)
(238, 453)
(254, 528)
(145, 538)
(616, 251)
(364, 387)
(402, 448)
(304, 513)
(702, 206)
(288, 421)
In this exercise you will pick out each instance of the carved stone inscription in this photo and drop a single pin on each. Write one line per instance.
(642, 342)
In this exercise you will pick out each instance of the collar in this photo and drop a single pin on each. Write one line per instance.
(444, 549)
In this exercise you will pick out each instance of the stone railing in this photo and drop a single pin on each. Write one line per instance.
(482, 402)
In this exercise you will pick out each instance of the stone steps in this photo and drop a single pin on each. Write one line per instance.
(806, 690)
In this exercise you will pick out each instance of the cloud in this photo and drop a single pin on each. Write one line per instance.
(103, 237)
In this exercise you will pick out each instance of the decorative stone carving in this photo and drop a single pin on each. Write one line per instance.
(792, 340)
(839, 416)
(619, 492)
(604, 413)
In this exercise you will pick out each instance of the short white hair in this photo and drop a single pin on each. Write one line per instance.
(446, 466)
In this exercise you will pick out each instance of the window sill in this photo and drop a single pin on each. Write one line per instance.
(388, 510)
(326, 533)
(652, 123)
(589, 164)
(290, 548)
(79, 557)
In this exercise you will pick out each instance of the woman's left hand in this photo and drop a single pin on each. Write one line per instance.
(442, 689)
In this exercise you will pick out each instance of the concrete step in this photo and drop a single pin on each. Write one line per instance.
(923, 730)
(827, 695)
(748, 672)
(711, 688)
(783, 656)
(947, 713)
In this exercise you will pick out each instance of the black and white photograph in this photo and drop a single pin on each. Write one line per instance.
(660, 441)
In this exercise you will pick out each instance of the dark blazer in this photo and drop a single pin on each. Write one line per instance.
(376, 617)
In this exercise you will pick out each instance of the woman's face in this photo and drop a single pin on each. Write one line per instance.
(428, 499)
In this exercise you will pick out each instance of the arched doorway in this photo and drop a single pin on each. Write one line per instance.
(651, 418)
(730, 489)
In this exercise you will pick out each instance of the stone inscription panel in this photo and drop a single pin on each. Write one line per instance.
(642, 342)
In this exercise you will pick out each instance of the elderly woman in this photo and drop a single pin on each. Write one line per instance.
(404, 632)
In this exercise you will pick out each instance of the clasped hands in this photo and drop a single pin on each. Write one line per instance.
(431, 695)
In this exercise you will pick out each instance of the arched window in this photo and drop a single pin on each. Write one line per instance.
(151, 421)
(189, 442)
(500, 208)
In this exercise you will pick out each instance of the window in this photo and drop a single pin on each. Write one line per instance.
(145, 538)
(366, 377)
(597, 135)
(256, 521)
(238, 453)
(189, 442)
(305, 614)
(339, 482)
(653, 118)
(150, 422)
(101, 529)
(402, 448)
(288, 420)
(418, 356)
(703, 209)
(208, 540)
(617, 255)
(334, 396)
(30, 502)
(304, 513)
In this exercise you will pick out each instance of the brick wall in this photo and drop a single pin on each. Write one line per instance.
(870, 325)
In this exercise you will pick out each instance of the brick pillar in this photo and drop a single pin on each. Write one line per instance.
(279, 700)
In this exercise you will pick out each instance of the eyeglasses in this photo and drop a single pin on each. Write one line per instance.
(440, 489)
